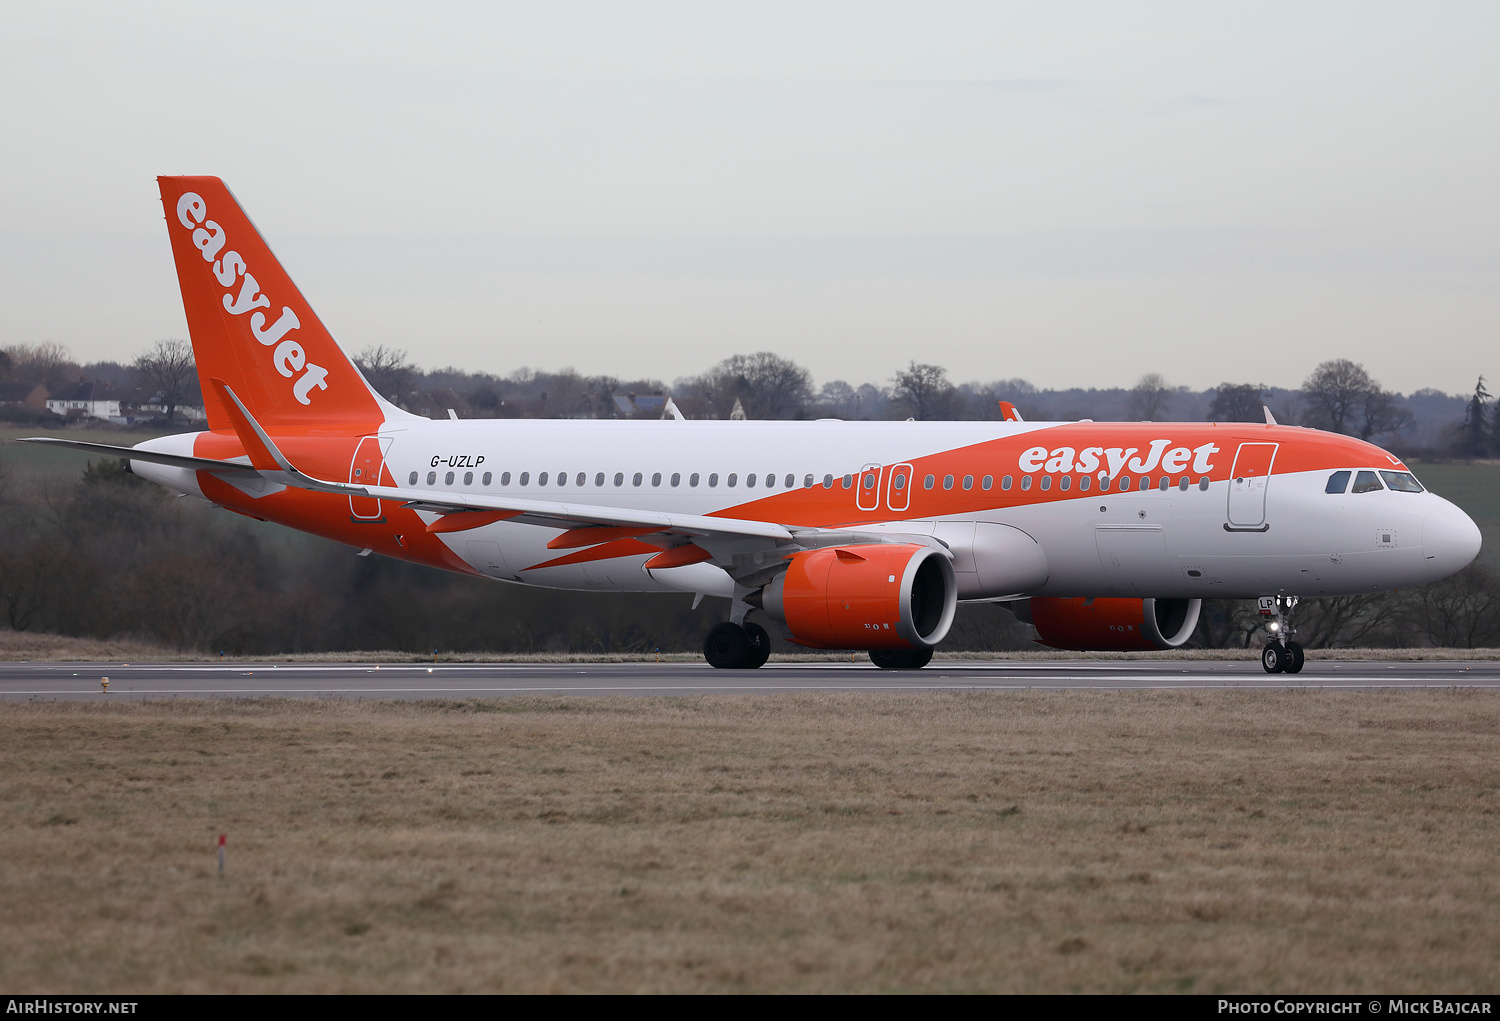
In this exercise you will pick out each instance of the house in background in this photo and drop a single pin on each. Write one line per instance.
(27, 395)
(86, 400)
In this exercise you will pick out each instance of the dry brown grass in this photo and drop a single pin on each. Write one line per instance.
(1100, 841)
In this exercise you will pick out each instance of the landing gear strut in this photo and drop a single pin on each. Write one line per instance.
(733, 647)
(1281, 655)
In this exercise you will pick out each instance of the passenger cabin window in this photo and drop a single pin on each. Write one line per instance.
(1025, 482)
(468, 478)
(827, 481)
(1367, 482)
(928, 482)
(619, 478)
(693, 479)
(1084, 481)
(947, 481)
(525, 478)
(413, 480)
(432, 478)
(987, 482)
(656, 478)
(635, 480)
(488, 476)
(541, 479)
(599, 479)
(848, 481)
(582, 478)
(448, 479)
(713, 480)
(732, 480)
(676, 479)
(1337, 483)
(750, 481)
(1005, 483)
(1402, 482)
(505, 478)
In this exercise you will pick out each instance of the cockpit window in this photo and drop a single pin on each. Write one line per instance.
(1402, 482)
(1366, 482)
(1337, 482)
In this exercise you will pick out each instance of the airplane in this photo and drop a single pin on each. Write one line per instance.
(855, 535)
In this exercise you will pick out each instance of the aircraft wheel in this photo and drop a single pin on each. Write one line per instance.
(1274, 657)
(901, 659)
(727, 647)
(760, 646)
(1295, 658)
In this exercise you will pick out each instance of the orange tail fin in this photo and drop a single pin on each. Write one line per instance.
(249, 324)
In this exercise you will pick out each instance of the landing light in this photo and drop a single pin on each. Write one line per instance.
(1273, 626)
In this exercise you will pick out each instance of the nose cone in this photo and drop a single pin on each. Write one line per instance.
(1450, 539)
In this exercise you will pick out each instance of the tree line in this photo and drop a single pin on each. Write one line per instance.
(1339, 395)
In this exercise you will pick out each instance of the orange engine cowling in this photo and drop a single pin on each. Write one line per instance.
(869, 596)
(1113, 625)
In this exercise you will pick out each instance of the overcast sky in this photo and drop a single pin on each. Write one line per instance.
(1070, 193)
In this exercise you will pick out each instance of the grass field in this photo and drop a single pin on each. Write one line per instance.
(1194, 842)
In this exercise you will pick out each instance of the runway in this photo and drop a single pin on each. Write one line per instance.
(23, 681)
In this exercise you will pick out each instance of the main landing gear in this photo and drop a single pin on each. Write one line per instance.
(900, 659)
(735, 647)
(1281, 655)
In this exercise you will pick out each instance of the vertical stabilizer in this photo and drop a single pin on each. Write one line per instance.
(250, 326)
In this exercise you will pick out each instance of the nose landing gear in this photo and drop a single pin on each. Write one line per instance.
(1281, 655)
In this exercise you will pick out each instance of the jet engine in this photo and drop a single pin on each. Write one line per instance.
(1112, 625)
(898, 596)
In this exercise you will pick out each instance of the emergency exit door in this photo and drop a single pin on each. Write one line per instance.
(364, 470)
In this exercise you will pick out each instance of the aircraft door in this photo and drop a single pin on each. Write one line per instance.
(867, 488)
(898, 495)
(1247, 487)
(364, 470)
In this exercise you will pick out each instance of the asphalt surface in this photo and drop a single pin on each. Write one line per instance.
(22, 681)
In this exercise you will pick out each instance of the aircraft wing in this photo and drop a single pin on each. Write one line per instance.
(546, 513)
(241, 464)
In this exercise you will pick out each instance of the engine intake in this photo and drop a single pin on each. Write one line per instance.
(1113, 625)
(869, 596)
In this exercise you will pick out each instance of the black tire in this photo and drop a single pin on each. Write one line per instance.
(1295, 658)
(901, 659)
(1274, 658)
(760, 646)
(726, 647)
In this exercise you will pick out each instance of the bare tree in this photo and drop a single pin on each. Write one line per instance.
(1149, 398)
(6, 364)
(48, 364)
(923, 390)
(168, 370)
(387, 370)
(765, 384)
(1238, 402)
(1341, 397)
